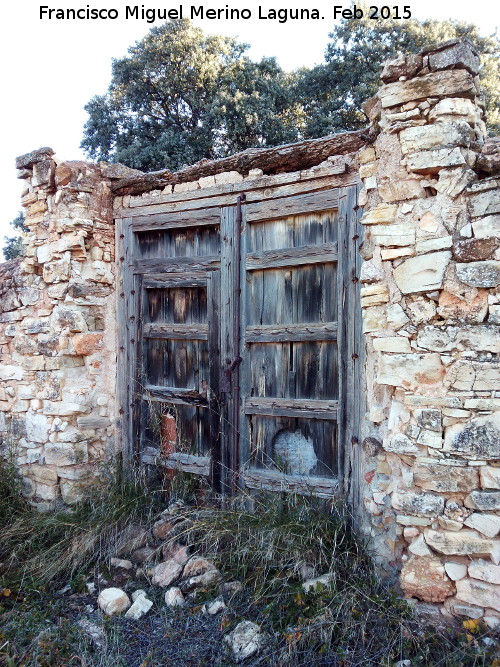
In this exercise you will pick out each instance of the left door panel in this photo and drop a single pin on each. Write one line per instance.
(177, 276)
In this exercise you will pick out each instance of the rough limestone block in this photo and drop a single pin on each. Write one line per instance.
(400, 444)
(139, 608)
(487, 524)
(431, 245)
(462, 543)
(458, 55)
(486, 501)
(410, 370)
(174, 597)
(447, 133)
(370, 273)
(228, 177)
(419, 548)
(485, 203)
(374, 319)
(245, 640)
(62, 409)
(481, 338)
(444, 478)
(65, 454)
(8, 372)
(87, 343)
(488, 227)
(455, 571)
(37, 428)
(429, 162)
(401, 188)
(405, 520)
(65, 317)
(98, 272)
(401, 65)
(467, 610)
(475, 376)
(424, 577)
(422, 274)
(453, 107)
(479, 593)
(373, 295)
(485, 571)
(396, 316)
(439, 84)
(452, 181)
(490, 477)
(71, 491)
(383, 214)
(478, 438)
(474, 250)
(479, 274)
(27, 160)
(391, 344)
(388, 254)
(429, 419)
(418, 503)
(166, 573)
(393, 235)
(113, 601)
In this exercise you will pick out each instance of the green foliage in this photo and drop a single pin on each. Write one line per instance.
(52, 546)
(181, 96)
(13, 246)
(331, 94)
(355, 619)
(11, 501)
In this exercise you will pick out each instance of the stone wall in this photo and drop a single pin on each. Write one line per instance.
(431, 451)
(430, 304)
(57, 330)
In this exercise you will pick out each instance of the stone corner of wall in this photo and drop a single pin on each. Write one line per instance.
(57, 329)
(431, 309)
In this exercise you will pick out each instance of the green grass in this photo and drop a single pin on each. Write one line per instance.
(52, 547)
(356, 620)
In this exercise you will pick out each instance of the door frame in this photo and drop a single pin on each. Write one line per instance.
(232, 202)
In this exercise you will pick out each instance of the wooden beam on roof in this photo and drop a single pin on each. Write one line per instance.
(288, 157)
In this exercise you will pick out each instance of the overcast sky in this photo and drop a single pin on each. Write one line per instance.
(51, 68)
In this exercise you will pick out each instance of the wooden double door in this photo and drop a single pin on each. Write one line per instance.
(239, 316)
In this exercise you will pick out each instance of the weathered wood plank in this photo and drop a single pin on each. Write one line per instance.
(180, 395)
(268, 480)
(213, 394)
(198, 218)
(245, 444)
(229, 353)
(186, 331)
(127, 326)
(266, 333)
(269, 187)
(123, 359)
(175, 264)
(291, 407)
(285, 206)
(352, 347)
(181, 280)
(197, 465)
(288, 157)
(314, 254)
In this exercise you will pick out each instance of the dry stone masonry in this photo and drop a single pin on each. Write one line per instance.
(57, 329)
(430, 470)
(430, 300)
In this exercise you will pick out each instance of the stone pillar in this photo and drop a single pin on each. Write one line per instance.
(58, 364)
(430, 303)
